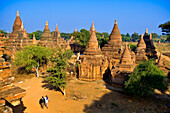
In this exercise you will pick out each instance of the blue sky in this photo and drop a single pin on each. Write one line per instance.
(132, 15)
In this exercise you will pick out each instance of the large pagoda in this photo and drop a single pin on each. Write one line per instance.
(113, 50)
(92, 65)
(46, 37)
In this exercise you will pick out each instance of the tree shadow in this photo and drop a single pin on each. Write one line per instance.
(16, 109)
(51, 87)
(118, 102)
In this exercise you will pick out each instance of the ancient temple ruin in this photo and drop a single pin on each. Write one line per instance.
(126, 66)
(58, 40)
(18, 38)
(140, 51)
(113, 50)
(150, 48)
(46, 37)
(8, 92)
(91, 29)
(92, 63)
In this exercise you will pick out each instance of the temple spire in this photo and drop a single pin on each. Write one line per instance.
(34, 40)
(46, 26)
(146, 31)
(56, 29)
(141, 44)
(93, 34)
(150, 37)
(75, 30)
(126, 57)
(17, 13)
(115, 34)
(92, 27)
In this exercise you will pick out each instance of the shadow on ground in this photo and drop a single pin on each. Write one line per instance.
(16, 109)
(50, 87)
(118, 102)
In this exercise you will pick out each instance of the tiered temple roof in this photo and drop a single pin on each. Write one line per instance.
(121, 70)
(58, 40)
(92, 67)
(126, 62)
(22, 39)
(34, 41)
(93, 47)
(113, 48)
(140, 50)
(46, 37)
(92, 28)
(18, 38)
(16, 26)
(150, 48)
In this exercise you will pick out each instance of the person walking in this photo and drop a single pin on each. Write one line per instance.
(46, 101)
(42, 102)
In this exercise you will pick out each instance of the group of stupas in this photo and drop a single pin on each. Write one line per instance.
(19, 37)
(10, 45)
(115, 60)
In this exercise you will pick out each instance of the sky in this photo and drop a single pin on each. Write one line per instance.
(131, 15)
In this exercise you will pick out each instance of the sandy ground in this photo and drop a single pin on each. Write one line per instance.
(87, 97)
(58, 103)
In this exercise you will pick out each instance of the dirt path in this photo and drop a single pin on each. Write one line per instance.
(89, 97)
(58, 103)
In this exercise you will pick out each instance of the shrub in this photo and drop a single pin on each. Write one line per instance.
(145, 78)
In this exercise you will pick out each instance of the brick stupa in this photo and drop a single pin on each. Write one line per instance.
(150, 48)
(16, 26)
(34, 41)
(58, 40)
(140, 50)
(18, 38)
(46, 37)
(123, 68)
(91, 61)
(22, 39)
(92, 28)
(113, 49)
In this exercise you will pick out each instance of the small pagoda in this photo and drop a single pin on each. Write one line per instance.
(58, 40)
(150, 48)
(91, 29)
(126, 66)
(140, 50)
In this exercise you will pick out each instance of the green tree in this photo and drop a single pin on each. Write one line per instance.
(133, 47)
(32, 56)
(58, 78)
(38, 34)
(127, 35)
(154, 35)
(126, 38)
(145, 78)
(166, 29)
(66, 36)
(135, 37)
